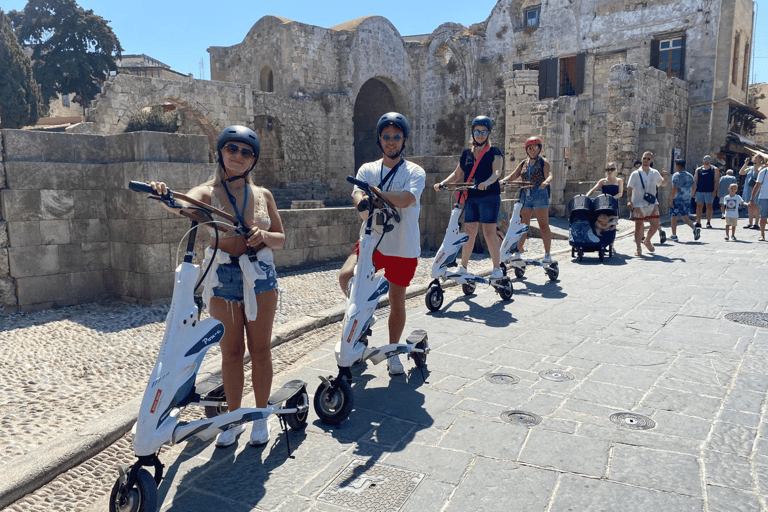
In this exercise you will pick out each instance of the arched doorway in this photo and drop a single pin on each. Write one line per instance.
(374, 100)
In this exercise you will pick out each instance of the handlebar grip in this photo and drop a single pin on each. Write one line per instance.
(138, 186)
(363, 185)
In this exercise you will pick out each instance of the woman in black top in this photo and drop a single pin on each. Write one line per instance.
(482, 166)
(611, 184)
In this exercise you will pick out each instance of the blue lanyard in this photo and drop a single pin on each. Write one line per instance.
(387, 180)
(232, 200)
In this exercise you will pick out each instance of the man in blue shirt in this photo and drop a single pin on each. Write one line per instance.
(680, 200)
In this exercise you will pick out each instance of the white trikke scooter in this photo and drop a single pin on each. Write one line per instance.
(171, 385)
(333, 399)
(445, 260)
(508, 255)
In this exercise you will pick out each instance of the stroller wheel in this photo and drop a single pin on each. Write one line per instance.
(601, 254)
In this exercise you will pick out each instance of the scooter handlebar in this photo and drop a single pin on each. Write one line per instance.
(138, 186)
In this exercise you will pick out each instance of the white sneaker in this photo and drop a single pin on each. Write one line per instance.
(496, 273)
(462, 269)
(394, 365)
(228, 437)
(259, 432)
(547, 258)
(514, 256)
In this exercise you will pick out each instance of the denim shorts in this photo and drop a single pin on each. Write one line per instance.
(231, 281)
(763, 203)
(482, 209)
(704, 197)
(534, 198)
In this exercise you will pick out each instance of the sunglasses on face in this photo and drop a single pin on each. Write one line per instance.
(610, 169)
(646, 158)
(707, 160)
(396, 138)
(479, 133)
(232, 149)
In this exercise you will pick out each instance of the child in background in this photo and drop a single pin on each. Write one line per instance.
(731, 202)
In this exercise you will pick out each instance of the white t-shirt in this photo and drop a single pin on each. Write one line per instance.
(652, 180)
(762, 178)
(732, 205)
(404, 240)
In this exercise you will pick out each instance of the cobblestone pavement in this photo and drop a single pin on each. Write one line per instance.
(61, 368)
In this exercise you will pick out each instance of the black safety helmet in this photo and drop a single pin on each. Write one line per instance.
(398, 121)
(242, 134)
(482, 121)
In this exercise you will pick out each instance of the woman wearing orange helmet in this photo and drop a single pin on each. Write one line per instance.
(535, 200)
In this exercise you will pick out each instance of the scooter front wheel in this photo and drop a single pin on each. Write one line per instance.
(434, 298)
(141, 498)
(211, 411)
(553, 272)
(519, 272)
(297, 421)
(333, 408)
(505, 292)
(420, 358)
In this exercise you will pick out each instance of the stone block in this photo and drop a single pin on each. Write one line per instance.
(57, 204)
(43, 175)
(4, 270)
(88, 148)
(89, 205)
(142, 231)
(289, 258)
(7, 293)
(89, 230)
(54, 232)
(156, 287)
(42, 289)
(33, 261)
(97, 177)
(152, 258)
(70, 258)
(96, 256)
(3, 233)
(24, 234)
(87, 286)
(121, 147)
(20, 205)
(22, 145)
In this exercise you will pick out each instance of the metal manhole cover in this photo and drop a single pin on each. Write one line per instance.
(633, 421)
(369, 487)
(753, 319)
(502, 378)
(556, 375)
(526, 419)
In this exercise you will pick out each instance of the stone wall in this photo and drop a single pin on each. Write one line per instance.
(72, 232)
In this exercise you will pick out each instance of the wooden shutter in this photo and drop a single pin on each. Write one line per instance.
(655, 53)
(548, 78)
(682, 57)
(581, 61)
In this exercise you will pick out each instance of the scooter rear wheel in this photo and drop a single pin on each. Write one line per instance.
(468, 288)
(297, 421)
(519, 272)
(553, 272)
(334, 408)
(419, 358)
(434, 298)
(141, 498)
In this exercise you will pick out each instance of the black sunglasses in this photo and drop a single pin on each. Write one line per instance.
(232, 149)
(609, 169)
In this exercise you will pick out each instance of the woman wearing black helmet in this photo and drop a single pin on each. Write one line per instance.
(241, 292)
(482, 166)
(536, 171)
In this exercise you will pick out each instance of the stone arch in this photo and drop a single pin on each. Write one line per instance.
(376, 97)
(266, 80)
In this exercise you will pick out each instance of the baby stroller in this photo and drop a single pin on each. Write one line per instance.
(592, 225)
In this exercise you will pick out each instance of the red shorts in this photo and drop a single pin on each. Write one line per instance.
(397, 270)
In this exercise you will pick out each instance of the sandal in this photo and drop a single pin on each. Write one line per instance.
(761, 239)
(638, 252)
(650, 247)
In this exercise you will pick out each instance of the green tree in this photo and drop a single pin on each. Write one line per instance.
(19, 93)
(73, 50)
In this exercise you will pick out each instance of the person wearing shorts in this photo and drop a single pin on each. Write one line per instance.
(731, 204)
(401, 183)
(680, 202)
(704, 190)
(644, 183)
(482, 166)
(537, 174)
(760, 192)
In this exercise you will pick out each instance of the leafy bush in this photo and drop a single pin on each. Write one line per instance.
(154, 120)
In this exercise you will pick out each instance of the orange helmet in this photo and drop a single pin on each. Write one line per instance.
(533, 140)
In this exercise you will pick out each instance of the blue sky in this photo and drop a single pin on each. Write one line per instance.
(178, 33)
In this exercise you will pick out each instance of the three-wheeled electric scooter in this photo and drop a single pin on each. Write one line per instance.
(334, 399)
(172, 385)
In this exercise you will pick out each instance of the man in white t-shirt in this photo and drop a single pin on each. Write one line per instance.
(644, 183)
(760, 192)
(401, 183)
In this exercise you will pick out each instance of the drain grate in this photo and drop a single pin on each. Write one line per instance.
(502, 378)
(753, 319)
(633, 421)
(556, 375)
(526, 419)
(371, 487)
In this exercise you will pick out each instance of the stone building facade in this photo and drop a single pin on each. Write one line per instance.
(315, 93)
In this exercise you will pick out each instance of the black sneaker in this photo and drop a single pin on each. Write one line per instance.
(748, 226)
(709, 226)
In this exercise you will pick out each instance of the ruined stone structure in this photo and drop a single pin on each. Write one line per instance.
(579, 74)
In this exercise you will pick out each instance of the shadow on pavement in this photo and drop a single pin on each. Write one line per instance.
(495, 314)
